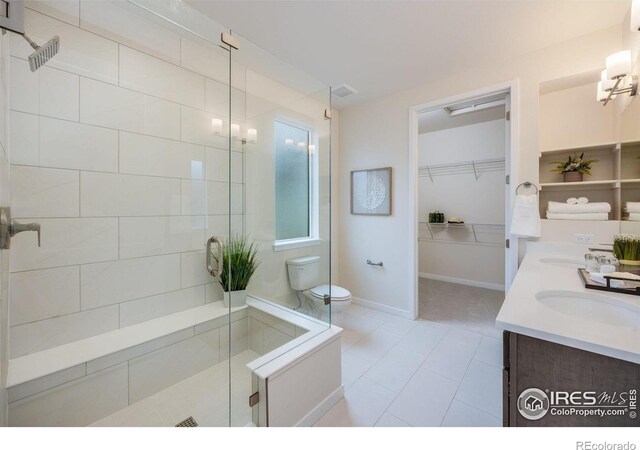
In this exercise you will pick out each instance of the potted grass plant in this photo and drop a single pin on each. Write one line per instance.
(626, 247)
(574, 168)
(239, 263)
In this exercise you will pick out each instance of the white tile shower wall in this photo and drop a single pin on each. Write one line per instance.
(115, 282)
(4, 254)
(66, 10)
(75, 145)
(86, 400)
(23, 135)
(113, 155)
(266, 333)
(41, 294)
(111, 20)
(43, 192)
(44, 334)
(144, 73)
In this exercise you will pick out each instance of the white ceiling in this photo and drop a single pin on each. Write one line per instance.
(439, 119)
(383, 46)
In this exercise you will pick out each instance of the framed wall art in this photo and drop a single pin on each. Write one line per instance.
(371, 192)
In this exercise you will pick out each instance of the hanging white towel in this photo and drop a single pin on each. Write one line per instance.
(526, 216)
(582, 216)
(572, 201)
(634, 217)
(633, 207)
(583, 200)
(565, 208)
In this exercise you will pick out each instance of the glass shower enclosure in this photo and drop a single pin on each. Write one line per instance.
(156, 150)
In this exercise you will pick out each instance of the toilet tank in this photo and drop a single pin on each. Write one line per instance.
(304, 272)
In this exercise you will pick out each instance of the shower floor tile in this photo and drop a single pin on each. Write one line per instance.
(204, 396)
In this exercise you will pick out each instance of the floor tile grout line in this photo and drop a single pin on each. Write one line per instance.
(457, 390)
(478, 409)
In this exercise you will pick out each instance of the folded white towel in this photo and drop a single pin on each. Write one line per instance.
(526, 216)
(583, 200)
(582, 216)
(565, 208)
(633, 207)
(634, 217)
(572, 200)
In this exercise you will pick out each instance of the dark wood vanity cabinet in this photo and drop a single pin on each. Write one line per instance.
(568, 378)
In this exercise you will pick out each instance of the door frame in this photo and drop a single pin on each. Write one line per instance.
(511, 88)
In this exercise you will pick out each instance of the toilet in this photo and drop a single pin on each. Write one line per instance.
(304, 275)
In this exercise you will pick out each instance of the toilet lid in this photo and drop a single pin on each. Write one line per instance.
(337, 293)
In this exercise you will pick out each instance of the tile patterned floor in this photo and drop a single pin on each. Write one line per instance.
(441, 372)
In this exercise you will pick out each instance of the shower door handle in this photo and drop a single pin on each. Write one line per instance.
(217, 269)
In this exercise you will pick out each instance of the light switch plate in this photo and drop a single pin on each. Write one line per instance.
(584, 238)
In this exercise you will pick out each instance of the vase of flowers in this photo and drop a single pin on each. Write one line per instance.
(574, 168)
(239, 263)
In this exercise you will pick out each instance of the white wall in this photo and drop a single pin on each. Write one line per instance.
(478, 201)
(376, 134)
(572, 118)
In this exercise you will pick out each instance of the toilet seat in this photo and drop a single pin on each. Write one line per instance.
(337, 293)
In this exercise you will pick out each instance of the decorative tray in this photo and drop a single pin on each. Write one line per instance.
(632, 289)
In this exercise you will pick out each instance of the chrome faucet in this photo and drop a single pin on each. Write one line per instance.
(9, 228)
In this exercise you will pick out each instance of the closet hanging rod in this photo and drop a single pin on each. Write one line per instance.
(476, 167)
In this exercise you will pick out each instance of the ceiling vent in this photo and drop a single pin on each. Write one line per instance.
(342, 91)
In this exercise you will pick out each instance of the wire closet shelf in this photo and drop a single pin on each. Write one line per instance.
(491, 235)
(476, 167)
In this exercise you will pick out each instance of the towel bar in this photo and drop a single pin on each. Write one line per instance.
(527, 185)
(371, 263)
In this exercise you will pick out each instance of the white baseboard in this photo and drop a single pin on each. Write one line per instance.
(481, 284)
(384, 308)
(322, 408)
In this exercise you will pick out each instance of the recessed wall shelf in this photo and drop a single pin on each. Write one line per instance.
(605, 146)
(599, 184)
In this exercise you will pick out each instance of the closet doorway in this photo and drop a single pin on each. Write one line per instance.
(462, 164)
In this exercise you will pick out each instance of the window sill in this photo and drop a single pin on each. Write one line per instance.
(289, 244)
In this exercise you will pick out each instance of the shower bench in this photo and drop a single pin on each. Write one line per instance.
(80, 376)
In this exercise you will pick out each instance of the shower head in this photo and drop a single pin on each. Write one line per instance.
(43, 53)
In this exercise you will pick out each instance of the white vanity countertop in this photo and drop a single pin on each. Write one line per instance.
(546, 267)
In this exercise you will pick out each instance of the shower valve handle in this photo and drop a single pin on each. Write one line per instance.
(17, 227)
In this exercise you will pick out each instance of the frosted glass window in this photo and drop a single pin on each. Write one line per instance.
(292, 181)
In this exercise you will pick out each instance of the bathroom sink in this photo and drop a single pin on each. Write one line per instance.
(601, 309)
(563, 262)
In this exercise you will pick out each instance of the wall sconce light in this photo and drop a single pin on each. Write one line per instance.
(216, 126)
(635, 15)
(617, 79)
(235, 130)
(252, 135)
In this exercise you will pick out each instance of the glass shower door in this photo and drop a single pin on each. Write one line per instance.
(120, 149)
